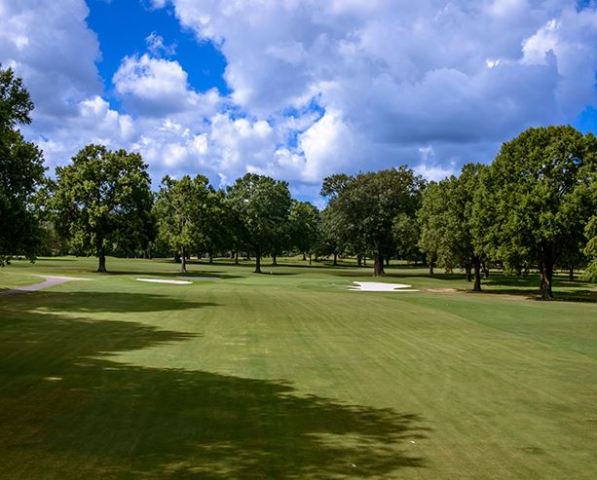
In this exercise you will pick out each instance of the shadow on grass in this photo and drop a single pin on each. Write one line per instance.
(67, 411)
(579, 295)
(93, 302)
(172, 274)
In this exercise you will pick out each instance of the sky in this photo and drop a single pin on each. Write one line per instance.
(300, 89)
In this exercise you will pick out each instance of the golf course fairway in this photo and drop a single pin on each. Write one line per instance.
(290, 374)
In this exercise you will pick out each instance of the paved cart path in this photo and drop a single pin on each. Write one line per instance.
(50, 281)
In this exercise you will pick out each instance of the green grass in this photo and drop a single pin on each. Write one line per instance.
(289, 375)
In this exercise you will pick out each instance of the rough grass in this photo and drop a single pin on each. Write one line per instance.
(290, 375)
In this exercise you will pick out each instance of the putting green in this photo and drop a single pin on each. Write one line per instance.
(291, 375)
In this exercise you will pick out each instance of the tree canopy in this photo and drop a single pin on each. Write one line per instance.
(21, 172)
(181, 209)
(539, 189)
(260, 205)
(102, 198)
(368, 205)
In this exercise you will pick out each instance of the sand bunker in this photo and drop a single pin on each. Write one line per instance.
(380, 287)
(159, 280)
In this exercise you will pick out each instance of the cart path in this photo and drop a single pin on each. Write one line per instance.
(50, 281)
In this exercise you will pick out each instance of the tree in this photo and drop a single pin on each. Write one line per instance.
(368, 205)
(181, 209)
(304, 223)
(590, 249)
(334, 185)
(214, 225)
(331, 231)
(260, 205)
(21, 172)
(463, 230)
(540, 192)
(103, 197)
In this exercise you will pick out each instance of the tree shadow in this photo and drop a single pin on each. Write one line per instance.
(580, 295)
(68, 411)
(92, 302)
(172, 274)
(564, 290)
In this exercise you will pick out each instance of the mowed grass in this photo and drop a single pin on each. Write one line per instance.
(290, 375)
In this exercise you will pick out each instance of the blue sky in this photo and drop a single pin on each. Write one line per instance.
(300, 89)
(122, 27)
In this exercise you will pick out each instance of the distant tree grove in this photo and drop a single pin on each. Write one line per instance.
(533, 208)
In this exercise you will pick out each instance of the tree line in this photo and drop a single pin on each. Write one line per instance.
(533, 207)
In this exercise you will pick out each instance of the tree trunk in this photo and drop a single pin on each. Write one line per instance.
(274, 259)
(485, 269)
(183, 261)
(378, 269)
(101, 268)
(359, 260)
(571, 274)
(468, 272)
(304, 257)
(236, 257)
(257, 261)
(477, 265)
(387, 261)
(546, 268)
(430, 268)
(335, 264)
(211, 257)
(310, 259)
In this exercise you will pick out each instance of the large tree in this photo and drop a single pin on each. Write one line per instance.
(21, 172)
(260, 205)
(368, 205)
(103, 198)
(540, 194)
(181, 209)
(449, 227)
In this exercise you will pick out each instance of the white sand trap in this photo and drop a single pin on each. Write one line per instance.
(380, 287)
(159, 280)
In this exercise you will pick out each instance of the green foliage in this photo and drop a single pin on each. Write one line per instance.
(334, 185)
(540, 196)
(180, 210)
(260, 206)
(304, 226)
(367, 206)
(450, 227)
(21, 172)
(406, 233)
(103, 199)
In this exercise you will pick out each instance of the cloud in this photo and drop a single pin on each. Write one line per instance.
(315, 87)
(157, 47)
(406, 73)
(53, 50)
(158, 87)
